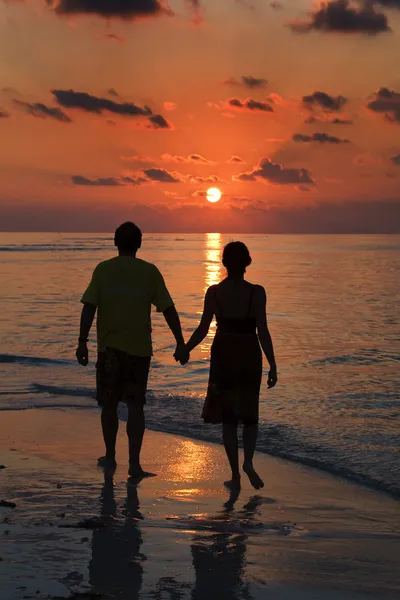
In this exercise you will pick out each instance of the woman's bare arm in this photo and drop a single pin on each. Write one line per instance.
(208, 312)
(264, 335)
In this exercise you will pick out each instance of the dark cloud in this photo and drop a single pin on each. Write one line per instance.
(247, 81)
(192, 158)
(94, 104)
(341, 16)
(387, 102)
(197, 158)
(107, 181)
(341, 121)
(209, 179)
(328, 119)
(3, 114)
(387, 3)
(37, 109)
(250, 104)
(321, 138)
(158, 122)
(115, 37)
(275, 173)
(122, 9)
(101, 181)
(324, 101)
(161, 175)
(235, 160)
(396, 159)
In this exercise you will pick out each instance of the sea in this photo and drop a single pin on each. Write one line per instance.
(333, 312)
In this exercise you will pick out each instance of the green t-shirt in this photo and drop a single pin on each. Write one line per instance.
(123, 289)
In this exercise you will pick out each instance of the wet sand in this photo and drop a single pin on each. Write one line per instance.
(77, 534)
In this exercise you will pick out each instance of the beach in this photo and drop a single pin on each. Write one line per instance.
(75, 533)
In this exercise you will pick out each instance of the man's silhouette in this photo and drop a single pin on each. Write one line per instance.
(122, 291)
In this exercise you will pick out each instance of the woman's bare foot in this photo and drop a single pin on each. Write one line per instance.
(138, 473)
(254, 478)
(233, 484)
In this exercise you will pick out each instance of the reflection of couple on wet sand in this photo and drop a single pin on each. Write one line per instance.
(218, 555)
(122, 291)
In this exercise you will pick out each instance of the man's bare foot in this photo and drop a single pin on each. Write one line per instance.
(254, 478)
(233, 484)
(107, 462)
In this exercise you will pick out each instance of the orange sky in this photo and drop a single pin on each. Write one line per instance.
(110, 113)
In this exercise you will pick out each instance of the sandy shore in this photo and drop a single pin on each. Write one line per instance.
(178, 536)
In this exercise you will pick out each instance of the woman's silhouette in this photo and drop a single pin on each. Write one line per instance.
(236, 360)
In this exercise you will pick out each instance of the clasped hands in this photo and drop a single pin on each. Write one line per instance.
(181, 354)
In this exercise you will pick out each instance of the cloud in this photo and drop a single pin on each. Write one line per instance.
(387, 3)
(107, 181)
(235, 160)
(158, 122)
(275, 173)
(341, 121)
(161, 175)
(387, 102)
(3, 114)
(192, 158)
(328, 119)
(113, 92)
(170, 106)
(322, 138)
(209, 179)
(341, 16)
(137, 158)
(324, 101)
(250, 105)
(121, 9)
(115, 37)
(98, 105)
(247, 81)
(396, 159)
(39, 110)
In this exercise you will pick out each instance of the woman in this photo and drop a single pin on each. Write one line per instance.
(236, 361)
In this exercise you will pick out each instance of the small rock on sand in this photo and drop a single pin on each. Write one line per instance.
(2, 467)
(7, 504)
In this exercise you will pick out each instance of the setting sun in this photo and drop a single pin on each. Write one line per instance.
(214, 194)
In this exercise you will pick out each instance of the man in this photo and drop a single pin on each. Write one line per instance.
(122, 291)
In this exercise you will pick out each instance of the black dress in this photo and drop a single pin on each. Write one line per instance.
(235, 371)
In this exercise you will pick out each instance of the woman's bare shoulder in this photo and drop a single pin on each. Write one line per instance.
(259, 291)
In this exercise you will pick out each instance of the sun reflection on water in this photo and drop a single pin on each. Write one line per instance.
(212, 274)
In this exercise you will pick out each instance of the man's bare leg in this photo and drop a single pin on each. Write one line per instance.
(135, 429)
(250, 433)
(109, 424)
(229, 434)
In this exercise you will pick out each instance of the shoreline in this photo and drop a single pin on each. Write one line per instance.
(305, 536)
(347, 476)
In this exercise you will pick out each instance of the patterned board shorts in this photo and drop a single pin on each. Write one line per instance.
(121, 377)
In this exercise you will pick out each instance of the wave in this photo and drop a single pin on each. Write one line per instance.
(32, 360)
(55, 390)
(51, 248)
(175, 415)
(367, 357)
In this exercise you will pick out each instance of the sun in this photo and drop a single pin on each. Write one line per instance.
(213, 194)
